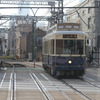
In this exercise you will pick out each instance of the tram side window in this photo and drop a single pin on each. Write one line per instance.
(52, 47)
(46, 47)
(80, 46)
(59, 46)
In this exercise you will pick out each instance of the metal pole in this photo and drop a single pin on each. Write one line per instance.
(62, 12)
(33, 40)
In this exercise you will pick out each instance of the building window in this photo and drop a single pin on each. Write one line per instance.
(89, 22)
(89, 10)
(83, 13)
(39, 41)
(52, 46)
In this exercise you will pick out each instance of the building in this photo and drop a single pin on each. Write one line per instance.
(39, 34)
(11, 33)
(3, 41)
(22, 30)
(89, 18)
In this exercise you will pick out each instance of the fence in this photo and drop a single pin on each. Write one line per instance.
(96, 56)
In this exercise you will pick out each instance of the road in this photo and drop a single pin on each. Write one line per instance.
(29, 83)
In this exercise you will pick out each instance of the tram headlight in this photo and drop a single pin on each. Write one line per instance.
(69, 61)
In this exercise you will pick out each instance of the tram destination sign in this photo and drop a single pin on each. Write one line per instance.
(69, 36)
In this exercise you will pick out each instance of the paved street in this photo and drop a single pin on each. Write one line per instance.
(35, 84)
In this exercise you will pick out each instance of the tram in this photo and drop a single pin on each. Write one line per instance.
(64, 50)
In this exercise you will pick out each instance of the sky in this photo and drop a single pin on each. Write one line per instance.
(40, 12)
(22, 11)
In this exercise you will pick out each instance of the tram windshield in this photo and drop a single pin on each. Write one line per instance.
(69, 46)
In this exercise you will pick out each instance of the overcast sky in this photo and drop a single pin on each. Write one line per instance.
(28, 11)
(40, 12)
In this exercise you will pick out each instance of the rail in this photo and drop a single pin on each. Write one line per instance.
(76, 90)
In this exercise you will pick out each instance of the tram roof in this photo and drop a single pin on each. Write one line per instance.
(65, 32)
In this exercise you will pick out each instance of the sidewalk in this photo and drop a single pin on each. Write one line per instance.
(33, 64)
(93, 71)
(30, 64)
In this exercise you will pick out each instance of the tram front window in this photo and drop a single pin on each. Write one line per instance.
(59, 46)
(69, 46)
(73, 46)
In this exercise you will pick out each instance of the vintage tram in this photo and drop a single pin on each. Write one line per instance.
(64, 50)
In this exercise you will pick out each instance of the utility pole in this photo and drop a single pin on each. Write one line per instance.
(33, 51)
(60, 11)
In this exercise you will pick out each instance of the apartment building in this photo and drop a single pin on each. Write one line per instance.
(89, 18)
(39, 34)
(22, 30)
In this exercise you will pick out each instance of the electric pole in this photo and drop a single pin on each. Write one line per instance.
(33, 41)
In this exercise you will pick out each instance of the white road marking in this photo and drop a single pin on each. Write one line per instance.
(2, 80)
(9, 89)
(56, 87)
(89, 78)
(15, 86)
(44, 89)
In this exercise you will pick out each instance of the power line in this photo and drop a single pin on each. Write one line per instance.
(4, 22)
(82, 19)
(69, 2)
(82, 5)
(47, 7)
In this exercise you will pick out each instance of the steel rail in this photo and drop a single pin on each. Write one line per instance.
(37, 82)
(70, 86)
(13, 82)
(85, 80)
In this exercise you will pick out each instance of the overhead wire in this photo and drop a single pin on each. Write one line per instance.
(76, 11)
(45, 14)
(69, 2)
(4, 22)
(83, 20)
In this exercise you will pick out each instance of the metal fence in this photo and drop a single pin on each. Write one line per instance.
(96, 56)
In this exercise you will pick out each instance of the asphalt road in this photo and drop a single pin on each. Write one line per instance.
(36, 84)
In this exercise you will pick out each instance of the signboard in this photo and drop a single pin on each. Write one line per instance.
(69, 36)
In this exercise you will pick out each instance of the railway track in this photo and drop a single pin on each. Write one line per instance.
(86, 97)
(92, 82)
(74, 88)
(37, 82)
(25, 83)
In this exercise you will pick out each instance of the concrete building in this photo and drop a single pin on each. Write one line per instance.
(11, 33)
(39, 34)
(22, 29)
(89, 18)
(3, 41)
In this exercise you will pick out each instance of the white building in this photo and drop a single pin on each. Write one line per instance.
(89, 18)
